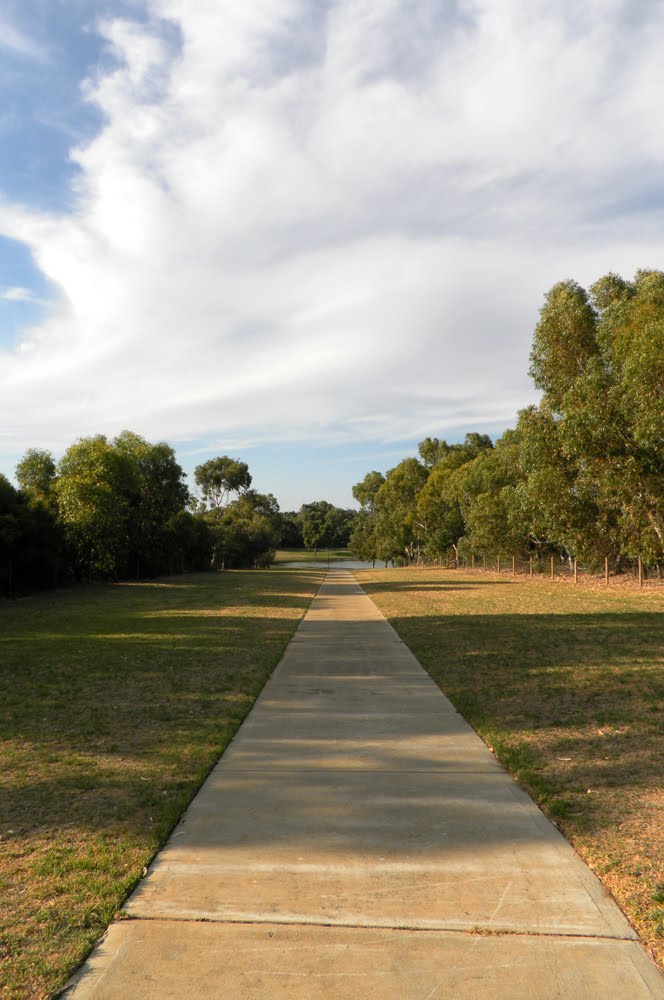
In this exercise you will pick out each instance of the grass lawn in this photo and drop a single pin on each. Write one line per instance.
(115, 701)
(566, 684)
(307, 555)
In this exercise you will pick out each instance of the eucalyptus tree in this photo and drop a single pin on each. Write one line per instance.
(291, 531)
(399, 534)
(483, 487)
(161, 493)
(325, 525)
(36, 475)
(219, 478)
(96, 488)
(363, 542)
(41, 561)
(190, 543)
(563, 504)
(340, 521)
(439, 512)
(629, 439)
(246, 532)
(365, 491)
(599, 359)
(364, 536)
(432, 451)
(313, 525)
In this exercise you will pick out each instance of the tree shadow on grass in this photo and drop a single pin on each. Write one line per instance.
(141, 679)
(110, 725)
(444, 586)
(581, 690)
(166, 681)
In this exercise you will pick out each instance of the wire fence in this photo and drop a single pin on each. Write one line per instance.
(613, 572)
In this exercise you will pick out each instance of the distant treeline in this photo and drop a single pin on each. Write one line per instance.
(120, 509)
(580, 476)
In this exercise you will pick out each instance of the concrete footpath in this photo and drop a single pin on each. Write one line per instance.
(358, 840)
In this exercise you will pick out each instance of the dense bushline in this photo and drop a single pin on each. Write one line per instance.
(120, 509)
(580, 476)
(317, 525)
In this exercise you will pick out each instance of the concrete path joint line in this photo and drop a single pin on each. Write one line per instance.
(127, 919)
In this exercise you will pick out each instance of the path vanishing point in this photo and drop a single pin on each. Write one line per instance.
(358, 840)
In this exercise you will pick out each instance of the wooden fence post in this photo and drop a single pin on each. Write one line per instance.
(513, 565)
(484, 558)
(530, 566)
(552, 570)
(499, 564)
(576, 579)
(606, 570)
(640, 572)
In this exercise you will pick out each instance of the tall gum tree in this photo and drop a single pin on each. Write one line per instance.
(599, 359)
(96, 488)
(36, 475)
(219, 478)
(161, 494)
(398, 531)
(364, 538)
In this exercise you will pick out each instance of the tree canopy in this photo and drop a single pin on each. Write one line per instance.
(220, 477)
(112, 509)
(582, 474)
(323, 525)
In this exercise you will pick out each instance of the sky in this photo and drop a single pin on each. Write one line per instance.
(309, 233)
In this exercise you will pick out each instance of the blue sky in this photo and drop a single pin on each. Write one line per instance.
(308, 234)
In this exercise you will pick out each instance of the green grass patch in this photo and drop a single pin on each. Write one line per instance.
(115, 701)
(566, 684)
(308, 555)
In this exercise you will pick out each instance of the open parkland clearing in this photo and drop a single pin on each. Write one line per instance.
(117, 699)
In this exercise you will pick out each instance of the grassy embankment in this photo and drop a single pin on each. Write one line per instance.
(566, 684)
(115, 701)
(308, 555)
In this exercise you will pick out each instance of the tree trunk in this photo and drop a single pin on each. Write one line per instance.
(656, 526)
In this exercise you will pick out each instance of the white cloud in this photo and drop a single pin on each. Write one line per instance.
(335, 221)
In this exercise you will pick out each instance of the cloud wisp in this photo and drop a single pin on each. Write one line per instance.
(17, 43)
(18, 294)
(334, 221)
